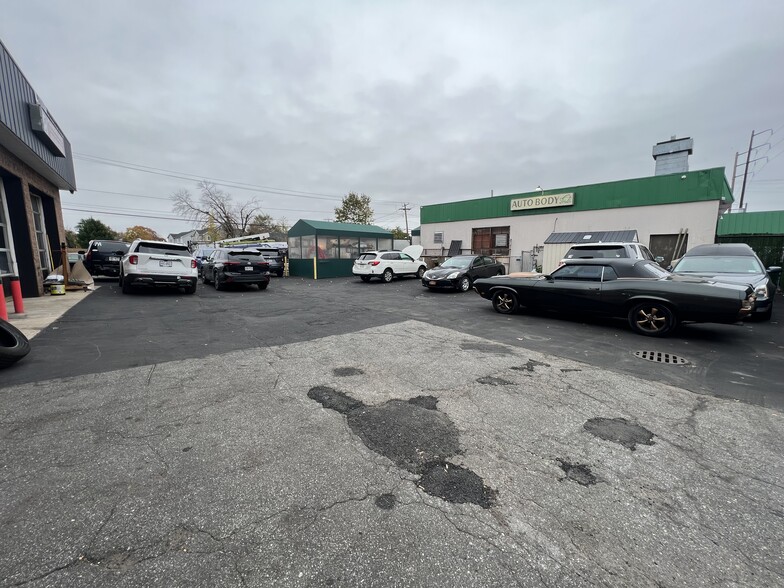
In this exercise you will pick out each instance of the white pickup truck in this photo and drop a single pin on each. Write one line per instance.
(156, 263)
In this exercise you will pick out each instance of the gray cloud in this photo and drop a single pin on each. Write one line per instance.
(405, 101)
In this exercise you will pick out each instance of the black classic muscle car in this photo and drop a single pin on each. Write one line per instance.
(653, 300)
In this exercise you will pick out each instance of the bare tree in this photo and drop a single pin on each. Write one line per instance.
(215, 208)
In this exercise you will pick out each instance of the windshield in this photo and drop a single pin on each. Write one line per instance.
(596, 252)
(111, 245)
(367, 256)
(457, 262)
(716, 264)
(654, 270)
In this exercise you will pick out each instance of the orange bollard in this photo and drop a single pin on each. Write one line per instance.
(16, 292)
(3, 311)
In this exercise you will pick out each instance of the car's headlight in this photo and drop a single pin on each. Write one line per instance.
(426, 274)
(453, 275)
(761, 292)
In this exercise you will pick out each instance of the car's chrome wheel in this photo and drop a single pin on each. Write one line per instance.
(505, 302)
(388, 275)
(653, 319)
(464, 285)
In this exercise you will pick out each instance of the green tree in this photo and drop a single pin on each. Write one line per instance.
(354, 209)
(88, 229)
(398, 233)
(71, 239)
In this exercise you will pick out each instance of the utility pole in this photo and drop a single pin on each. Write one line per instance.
(405, 210)
(746, 171)
(749, 160)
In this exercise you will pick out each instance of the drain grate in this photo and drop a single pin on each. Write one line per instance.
(660, 357)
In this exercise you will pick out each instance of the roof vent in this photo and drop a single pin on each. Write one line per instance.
(672, 157)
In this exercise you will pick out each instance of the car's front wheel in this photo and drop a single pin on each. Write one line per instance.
(505, 301)
(387, 275)
(421, 271)
(464, 285)
(652, 319)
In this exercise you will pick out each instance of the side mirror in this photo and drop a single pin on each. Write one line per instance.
(774, 269)
(81, 252)
(658, 259)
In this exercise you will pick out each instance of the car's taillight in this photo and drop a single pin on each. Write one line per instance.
(193, 263)
(374, 262)
(133, 259)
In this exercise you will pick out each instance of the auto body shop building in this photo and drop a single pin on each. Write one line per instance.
(35, 164)
(669, 213)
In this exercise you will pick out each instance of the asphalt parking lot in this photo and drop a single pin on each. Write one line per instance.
(339, 433)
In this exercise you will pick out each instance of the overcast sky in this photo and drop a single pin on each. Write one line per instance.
(408, 102)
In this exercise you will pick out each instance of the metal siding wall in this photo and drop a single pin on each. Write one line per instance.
(698, 186)
(752, 223)
(15, 95)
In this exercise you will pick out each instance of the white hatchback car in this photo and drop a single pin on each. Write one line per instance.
(385, 265)
(156, 263)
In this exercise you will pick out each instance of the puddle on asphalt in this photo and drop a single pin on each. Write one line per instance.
(414, 435)
(386, 501)
(619, 430)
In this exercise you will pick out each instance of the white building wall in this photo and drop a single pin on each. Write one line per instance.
(525, 232)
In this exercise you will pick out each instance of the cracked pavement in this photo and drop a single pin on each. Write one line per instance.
(220, 470)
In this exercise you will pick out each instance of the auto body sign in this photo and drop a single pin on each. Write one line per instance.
(542, 201)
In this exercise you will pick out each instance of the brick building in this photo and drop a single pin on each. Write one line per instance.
(35, 164)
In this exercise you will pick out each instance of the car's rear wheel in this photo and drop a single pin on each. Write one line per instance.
(217, 282)
(364, 278)
(421, 271)
(262, 285)
(652, 319)
(388, 275)
(505, 301)
(280, 273)
(464, 285)
(125, 284)
(204, 278)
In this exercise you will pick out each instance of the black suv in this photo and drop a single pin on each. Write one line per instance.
(102, 258)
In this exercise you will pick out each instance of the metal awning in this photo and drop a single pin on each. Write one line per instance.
(593, 237)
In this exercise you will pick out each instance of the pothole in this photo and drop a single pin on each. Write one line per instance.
(347, 371)
(386, 501)
(529, 367)
(493, 381)
(661, 357)
(416, 436)
(579, 473)
(485, 348)
(456, 484)
(619, 430)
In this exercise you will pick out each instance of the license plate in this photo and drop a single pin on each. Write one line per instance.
(432, 283)
(112, 258)
(165, 263)
(248, 268)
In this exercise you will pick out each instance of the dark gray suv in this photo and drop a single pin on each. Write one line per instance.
(102, 257)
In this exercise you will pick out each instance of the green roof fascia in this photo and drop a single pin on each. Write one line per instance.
(696, 186)
(751, 223)
(311, 227)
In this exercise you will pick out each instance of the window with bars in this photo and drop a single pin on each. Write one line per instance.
(490, 241)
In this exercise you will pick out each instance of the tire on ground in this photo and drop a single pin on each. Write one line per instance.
(13, 344)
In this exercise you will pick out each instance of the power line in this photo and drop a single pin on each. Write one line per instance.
(221, 182)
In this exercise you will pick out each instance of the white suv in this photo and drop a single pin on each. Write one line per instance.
(608, 250)
(157, 263)
(388, 264)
